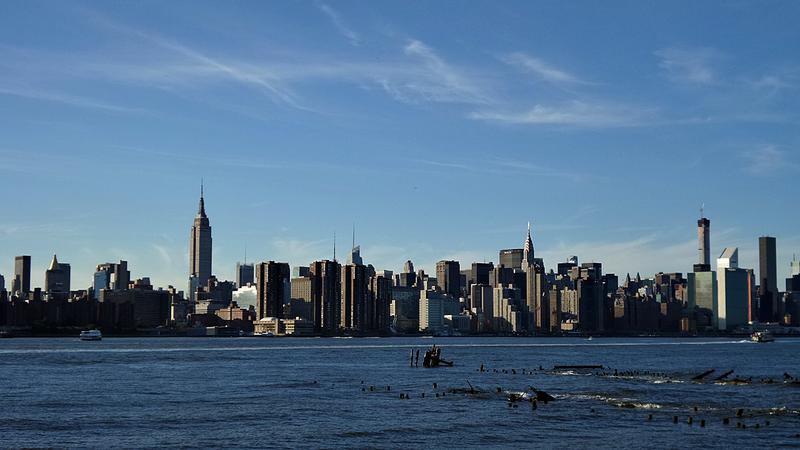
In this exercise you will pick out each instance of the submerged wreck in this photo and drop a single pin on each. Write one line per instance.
(433, 358)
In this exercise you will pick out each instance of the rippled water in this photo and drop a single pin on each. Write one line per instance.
(285, 392)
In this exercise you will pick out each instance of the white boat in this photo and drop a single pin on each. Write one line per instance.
(91, 335)
(267, 334)
(762, 336)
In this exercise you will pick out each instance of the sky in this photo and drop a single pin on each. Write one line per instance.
(437, 129)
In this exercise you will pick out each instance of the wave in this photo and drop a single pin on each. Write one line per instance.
(619, 402)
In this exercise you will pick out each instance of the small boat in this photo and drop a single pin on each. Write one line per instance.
(762, 336)
(267, 334)
(91, 335)
(6, 334)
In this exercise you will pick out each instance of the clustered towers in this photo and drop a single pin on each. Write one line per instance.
(515, 296)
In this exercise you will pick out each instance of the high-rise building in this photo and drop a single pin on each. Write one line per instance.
(57, 277)
(22, 274)
(767, 280)
(354, 297)
(326, 295)
(300, 272)
(431, 311)
(378, 303)
(200, 248)
(245, 273)
(511, 258)
(301, 303)
(408, 277)
(481, 273)
(702, 291)
(274, 289)
(733, 291)
(355, 252)
(527, 251)
(794, 266)
(448, 275)
(703, 245)
(2, 284)
(481, 296)
(111, 276)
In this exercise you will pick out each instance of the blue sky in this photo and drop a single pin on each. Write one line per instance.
(438, 128)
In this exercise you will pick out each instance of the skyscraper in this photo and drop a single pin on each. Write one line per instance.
(767, 280)
(200, 245)
(733, 291)
(245, 274)
(326, 295)
(527, 250)
(408, 278)
(448, 275)
(703, 245)
(57, 277)
(22, 274)
(378, 301)
(354, 297)
(274, 289)
(511, 258)
(355, 252)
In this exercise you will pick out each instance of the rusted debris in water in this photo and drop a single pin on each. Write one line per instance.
(542, 396)
(703, 375)
(724, 375)
(433, 358)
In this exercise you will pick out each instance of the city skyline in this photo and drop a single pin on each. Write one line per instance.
(438, 144)
(700, 243)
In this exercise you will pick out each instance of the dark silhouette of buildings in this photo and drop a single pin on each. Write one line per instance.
(22, 274)
(326, 295)
(273, 287)
(245, 274)
(767, 280)
(448, 275)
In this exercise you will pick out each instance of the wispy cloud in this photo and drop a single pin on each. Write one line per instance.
(688, 65)
(441, 82)
(66, 99)
(300, 250)
(767, 160)
(575, 113)
(199, 62)
(340, 24)
(541, 69)
(504, 166)
(163, 253)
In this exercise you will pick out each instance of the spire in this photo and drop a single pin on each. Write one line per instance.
(201, 211)
(54, 264)
(528, 247)
(334, 246)
(354, 236)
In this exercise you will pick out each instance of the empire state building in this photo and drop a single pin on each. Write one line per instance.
(200, 249)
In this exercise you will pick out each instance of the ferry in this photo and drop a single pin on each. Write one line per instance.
(762, 336)
(91, 335)
(266, 334)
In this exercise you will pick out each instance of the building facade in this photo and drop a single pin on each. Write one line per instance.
(200, 249)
